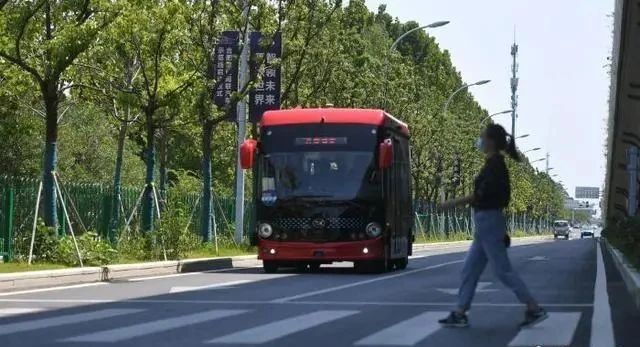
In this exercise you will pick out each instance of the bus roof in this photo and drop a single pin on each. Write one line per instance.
(330, 115)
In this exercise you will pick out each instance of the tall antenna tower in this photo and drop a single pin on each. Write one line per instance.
(514, 85)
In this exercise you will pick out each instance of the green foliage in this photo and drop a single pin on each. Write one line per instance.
(48, 247)
(624, 234)
(44, 245)
(93, 250)
(87, 149)
(175, 238)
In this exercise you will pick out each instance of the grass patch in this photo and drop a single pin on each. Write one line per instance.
(463, 236)
(209, 251)
(21, 267)
(433, 238)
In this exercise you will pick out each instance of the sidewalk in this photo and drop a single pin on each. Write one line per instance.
(48, 278)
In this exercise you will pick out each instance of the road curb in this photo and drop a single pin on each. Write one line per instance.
(50, 278)
(630, 276)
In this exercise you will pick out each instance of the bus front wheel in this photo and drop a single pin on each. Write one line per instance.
(269, 266)
(401, 263)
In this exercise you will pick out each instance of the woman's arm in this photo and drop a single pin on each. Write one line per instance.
(457, 202)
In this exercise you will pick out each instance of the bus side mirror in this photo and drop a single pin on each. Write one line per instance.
(385, 154)
(248, 153)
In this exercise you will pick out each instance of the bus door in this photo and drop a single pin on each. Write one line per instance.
(396, 189)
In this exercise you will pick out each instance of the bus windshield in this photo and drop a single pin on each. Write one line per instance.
(320, 162)
(339, 175)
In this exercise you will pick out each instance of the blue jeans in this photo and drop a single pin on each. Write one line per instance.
(488, 246)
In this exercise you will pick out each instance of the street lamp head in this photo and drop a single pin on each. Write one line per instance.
(437, 24)
(532, 150)
(522, 136)
(479, 83)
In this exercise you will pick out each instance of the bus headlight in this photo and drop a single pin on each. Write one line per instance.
(373, 229)
(265, 230)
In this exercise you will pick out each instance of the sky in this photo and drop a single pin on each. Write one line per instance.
(563, 69)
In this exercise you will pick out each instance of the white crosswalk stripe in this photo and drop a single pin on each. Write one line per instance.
(16, 311)
(136, 330)
(272, 331)
(557, 330)
(405, 333)
(67, 319)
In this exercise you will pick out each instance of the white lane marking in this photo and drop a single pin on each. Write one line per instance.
(272, 331)
(262, 302)
(62, 320)
(136, 330)
(40, 290)
(15, 311)
(210, 286)
(538, 258)
(557, 330)
(359, 283)
(480, 289)
(601, 325)
(406, 333)
(158, 277)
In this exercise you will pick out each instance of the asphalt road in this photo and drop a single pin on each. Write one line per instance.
(336, 307)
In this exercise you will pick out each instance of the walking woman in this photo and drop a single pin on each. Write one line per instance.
(490, 196)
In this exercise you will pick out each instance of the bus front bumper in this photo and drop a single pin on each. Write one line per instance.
(321, 252)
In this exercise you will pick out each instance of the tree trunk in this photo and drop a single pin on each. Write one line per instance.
(50, 97)
(205, 225)
(163, 154)
(150, 162)
(117, 182)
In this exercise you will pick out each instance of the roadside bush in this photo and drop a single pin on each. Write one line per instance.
(44, 245)
(173, 236)
(93, 249)
(624, 234)
(134, 246)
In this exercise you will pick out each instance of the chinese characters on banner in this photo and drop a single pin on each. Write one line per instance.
(225, 71)
(266, 94)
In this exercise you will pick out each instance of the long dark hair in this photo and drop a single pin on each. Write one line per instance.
(504, 141)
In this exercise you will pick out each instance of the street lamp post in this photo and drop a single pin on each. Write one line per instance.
(494, 114)
(393, 47)
(463, 87)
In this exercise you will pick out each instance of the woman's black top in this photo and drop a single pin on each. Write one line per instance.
(492, 189)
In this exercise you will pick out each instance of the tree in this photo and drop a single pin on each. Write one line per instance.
(155, 34)
(43, 38)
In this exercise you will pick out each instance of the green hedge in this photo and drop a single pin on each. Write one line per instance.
(625, 235)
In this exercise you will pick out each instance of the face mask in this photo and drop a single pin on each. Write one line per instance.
(480, 144)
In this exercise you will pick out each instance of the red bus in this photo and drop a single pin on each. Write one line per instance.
(331, 185)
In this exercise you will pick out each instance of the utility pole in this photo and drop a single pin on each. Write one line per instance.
(514, 86)
(243, 73)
